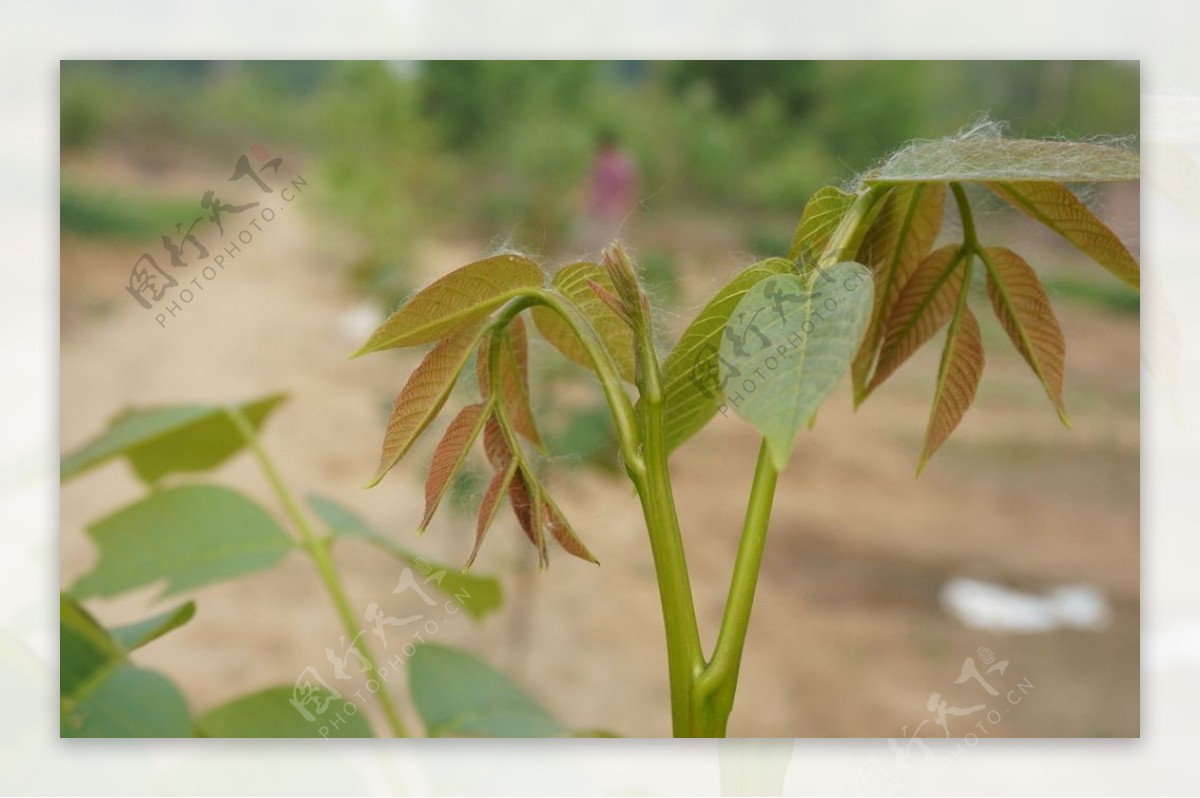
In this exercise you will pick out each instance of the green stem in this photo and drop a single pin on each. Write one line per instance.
(317, 548)
(716, 686)
(685, 657)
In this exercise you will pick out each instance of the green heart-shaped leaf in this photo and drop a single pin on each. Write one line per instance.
(786, 344)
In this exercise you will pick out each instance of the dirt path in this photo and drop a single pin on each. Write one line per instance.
(847, 638)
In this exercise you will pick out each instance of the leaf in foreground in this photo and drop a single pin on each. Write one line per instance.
(188, 536)
(788, 343)
(164, 440)
(457, 695)
(691, 373)
(102, 694)
(270, 713)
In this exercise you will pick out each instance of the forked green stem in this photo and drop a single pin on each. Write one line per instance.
(712, 699)
(317, 548)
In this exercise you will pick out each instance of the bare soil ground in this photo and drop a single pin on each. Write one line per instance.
(847, 638)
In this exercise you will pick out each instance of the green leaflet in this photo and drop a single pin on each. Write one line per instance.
(135, 635)
(691, 381)
(463, 296)
(457, 695)
(102, 694)
(190, 536)
(270, 713)
(165, 440)
(786, 345)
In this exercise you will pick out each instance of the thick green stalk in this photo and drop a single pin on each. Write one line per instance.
(685, 657)
(714, 691)
(318, 551)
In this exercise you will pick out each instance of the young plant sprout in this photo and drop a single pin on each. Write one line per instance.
(862, 288)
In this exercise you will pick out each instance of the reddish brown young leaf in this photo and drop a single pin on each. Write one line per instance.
(895, 246)
(1055, 206)
(1025, 313)
(526, 505)
(448, 457)
(495, 445)
(924, 305)
(496, 490)
(514, 379)
(958, 378)
(556, 522)
(424, 394)
(614, 303)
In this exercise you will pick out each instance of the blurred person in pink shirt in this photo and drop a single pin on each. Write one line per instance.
(611, 194)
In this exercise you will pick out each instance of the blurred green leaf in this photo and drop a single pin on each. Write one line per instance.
(135, 635)
(190, 536)
(101, 694)
(85, 647)
(164, 440)
(130, 702)
(479, 595)
(793, 339)
(270, 713)
(457, 695)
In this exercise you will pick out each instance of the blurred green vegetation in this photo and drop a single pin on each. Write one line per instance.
(103, 213)
(406, 149)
